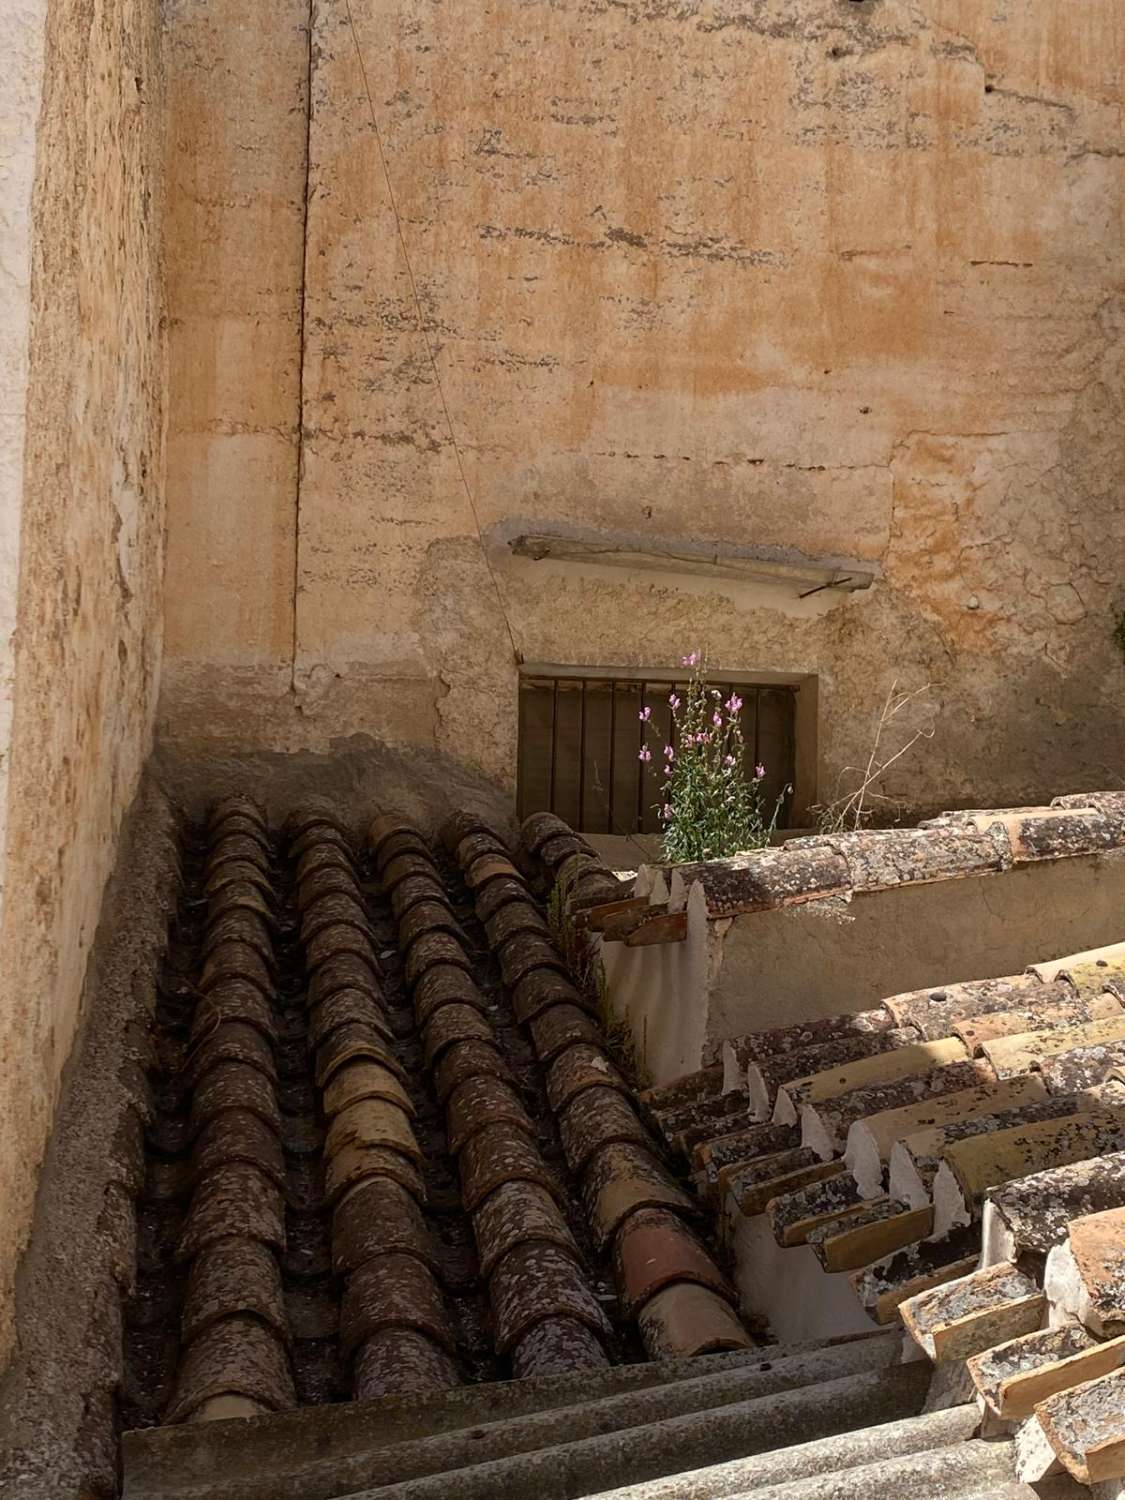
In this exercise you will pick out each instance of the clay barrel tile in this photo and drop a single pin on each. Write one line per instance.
(973, 1165)
(405, 867)
(415, 889)
(451, 1024)
(1057, 833)
(425, 917)
(478, 1103)
(538, 828)
(794, 1213)
(932, 1010)
(1016, 1054)
(701, 1084)
(321, 858)
(242, 825)
(233, 1276)
(319, 885)
(233, 924)
(1083, 1067)
(871, 1140)
(975, 1031)
(868, 1232)
(372, 1123)
(884, 1285)
(238, 1136)
(488, 867)
(825, 1125)
(557, 1346)
(344, 971)
(574, 865)
(745, 1144)
(1036, 1210)
(499, 893)
(558, 1027)
(1096, 1243)
(655, 1249)
(526, 953)
(498, 1154)
(767, 878)
(552, 851)
(229, 1041)
(514, 1214)
(685, 1320)
(364, 1080)
(402, 842)
(349, 1043)
(753, 1184)
(346, 1007)
(236, 805)
(514, 919)
(1013, 1376)
(334, 942)
(961, 1318)
(240, 874)
(468, 1059)
(596, 1118)
(237, 1357)
(236, 960)
(595, 890)
(471, 846)
(782, 1041)
(622, 1178)
(234, 1085)
(445, 984)
(763, 1079)
(542, 988)
(582, 1066)
(1086, 1428)
(866, 1072)
(378, 1217)
(355, 1162)
(234, 1199)
(243, 899)
(434, 950)
(236, 847)
(312, 811)
(393, 1291)
(680, 1117)
(322, 836)
(331, 908)
(539, 1280)
(881, 859)
(386, 825)
(402, 1362)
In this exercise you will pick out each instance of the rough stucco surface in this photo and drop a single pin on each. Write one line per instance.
(90, 519)
(843, 277)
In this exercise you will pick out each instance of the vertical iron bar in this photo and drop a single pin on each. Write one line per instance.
(582, 760)
(757, 722)
(612, 751)
(554, 742)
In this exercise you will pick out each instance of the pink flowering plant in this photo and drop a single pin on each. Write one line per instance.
(710, 807)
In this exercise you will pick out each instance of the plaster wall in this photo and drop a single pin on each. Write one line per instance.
(824, 958)
(81, 522)
(842, 276)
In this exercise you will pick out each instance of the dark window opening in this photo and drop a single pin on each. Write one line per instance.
(580, 738)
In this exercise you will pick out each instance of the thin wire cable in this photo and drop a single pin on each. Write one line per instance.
(425, 334)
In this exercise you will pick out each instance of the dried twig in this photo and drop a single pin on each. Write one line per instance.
(849, 813)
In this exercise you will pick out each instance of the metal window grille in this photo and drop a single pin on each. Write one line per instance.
(579, 739)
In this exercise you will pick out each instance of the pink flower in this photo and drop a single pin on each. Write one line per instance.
(734, 703)
(674, 702)
(645, 715)
(666, 811)
(644, 754)
(691, 660)
(669, 753)
(717, 720)
(703, 739)
(759, 771)
(728, 760)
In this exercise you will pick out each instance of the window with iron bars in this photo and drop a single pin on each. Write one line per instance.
(579, 739)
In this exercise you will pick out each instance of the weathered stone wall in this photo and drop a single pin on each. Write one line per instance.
(81, 522)
(843, 276)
